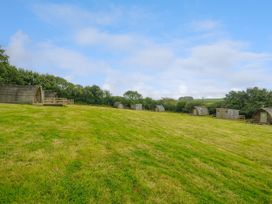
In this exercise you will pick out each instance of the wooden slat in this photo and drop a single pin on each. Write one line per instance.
(56, 101)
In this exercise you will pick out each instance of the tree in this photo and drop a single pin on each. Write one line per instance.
(133, 97)
(149, 103)
(3, 66)
(186, 98)
(3, 57)
(93, 94)
(169, 104)
(107, 98)
(248, 101)
(181, 106)
(236, 99)
(119, 99)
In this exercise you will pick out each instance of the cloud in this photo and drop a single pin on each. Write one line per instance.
(93, 37)
(205, 25)
(16, 48)
(152, 57)
(221, 56)
(251, 74)
(48, 57)
(208, 70)
(64, 14)
(72, 15)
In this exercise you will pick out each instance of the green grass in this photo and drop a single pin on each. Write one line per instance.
(84, 154)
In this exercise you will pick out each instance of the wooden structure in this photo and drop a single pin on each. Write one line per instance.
(159, 108)
(57, 101)
(263, 116)
(225, 113)
(118, 105)
(200, 111)
(23, 94)
(136, 107)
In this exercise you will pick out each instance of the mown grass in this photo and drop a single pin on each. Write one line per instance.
(84, 154)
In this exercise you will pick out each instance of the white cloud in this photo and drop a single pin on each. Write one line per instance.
(67, 59)
(205, 25)
(71, 15)
(220, 57)
(152, 57)
(62, 14)
(47, 57)
(209, 70)
(16, 49)
(92, 37)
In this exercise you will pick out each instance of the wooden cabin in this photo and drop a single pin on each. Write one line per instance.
(226, 113)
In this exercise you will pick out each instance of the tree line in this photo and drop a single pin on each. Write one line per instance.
(247, 101)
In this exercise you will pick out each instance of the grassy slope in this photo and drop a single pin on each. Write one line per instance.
(88, 154)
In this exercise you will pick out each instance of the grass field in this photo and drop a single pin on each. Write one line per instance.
(84, 154)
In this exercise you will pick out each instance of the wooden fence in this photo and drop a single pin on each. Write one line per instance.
(57, 101)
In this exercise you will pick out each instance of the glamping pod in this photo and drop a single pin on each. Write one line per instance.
(225, 113)
(118, 105)
(200, 111)
(24, 94)
(159, 108)
(136, 107)
(263, 116)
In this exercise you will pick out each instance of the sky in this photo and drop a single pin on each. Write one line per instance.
(160, 48)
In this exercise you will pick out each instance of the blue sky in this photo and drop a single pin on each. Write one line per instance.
(159, 48)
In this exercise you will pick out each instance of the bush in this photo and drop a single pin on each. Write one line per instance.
(169, 104)
(181, 106)
(248, 101)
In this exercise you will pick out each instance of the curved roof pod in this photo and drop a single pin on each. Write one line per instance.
(25, 94)
(263, 116)
(200, 111)
(159, 108)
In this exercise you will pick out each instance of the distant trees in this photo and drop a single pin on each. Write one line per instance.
(149, 103)
(186, 98)
(3, 57)
(248, 101)
(133, 97)
(186, 104)
(93, 94)
(169, 104)
(180, 107)
(3, 66)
